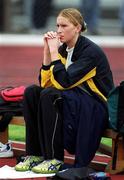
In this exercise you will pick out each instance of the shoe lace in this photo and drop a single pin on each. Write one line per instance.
(28, 159)
(48, 163)
(31, 161)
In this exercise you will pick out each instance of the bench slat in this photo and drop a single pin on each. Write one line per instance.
(18, 120)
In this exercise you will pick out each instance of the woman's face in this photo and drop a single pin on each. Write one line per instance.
(67, 32)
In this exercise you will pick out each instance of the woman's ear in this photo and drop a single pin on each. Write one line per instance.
(79, 28)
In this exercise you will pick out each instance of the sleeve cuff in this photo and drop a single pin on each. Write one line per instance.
(56, 62)
(44, 67)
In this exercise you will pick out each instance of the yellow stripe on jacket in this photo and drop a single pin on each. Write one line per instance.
(93, 87)
(89, 75)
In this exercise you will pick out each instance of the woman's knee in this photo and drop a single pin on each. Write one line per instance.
(51, 91)
(30, 90)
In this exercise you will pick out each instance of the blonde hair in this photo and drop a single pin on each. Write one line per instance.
(74, 16)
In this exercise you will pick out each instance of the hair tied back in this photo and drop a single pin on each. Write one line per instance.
(84, 26)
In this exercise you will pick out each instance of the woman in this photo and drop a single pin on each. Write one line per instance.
(69, 110)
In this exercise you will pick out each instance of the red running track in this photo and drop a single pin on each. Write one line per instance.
(19, 65)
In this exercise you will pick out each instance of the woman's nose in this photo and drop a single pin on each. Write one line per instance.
(59, 30)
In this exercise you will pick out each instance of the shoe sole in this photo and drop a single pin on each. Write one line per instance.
(22, 170)
(6, 155)
(44, 172)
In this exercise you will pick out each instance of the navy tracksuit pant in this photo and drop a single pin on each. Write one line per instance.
(58, 120)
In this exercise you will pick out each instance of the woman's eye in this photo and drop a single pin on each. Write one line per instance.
(63, 25)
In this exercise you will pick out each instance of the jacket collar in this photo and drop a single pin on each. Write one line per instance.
(79, 46)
